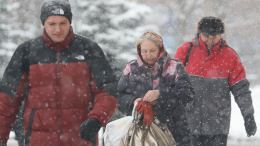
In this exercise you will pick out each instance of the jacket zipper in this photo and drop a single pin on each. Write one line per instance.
(59, 97)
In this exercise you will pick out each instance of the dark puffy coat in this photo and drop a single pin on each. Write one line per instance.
(214, 74)
(171, 79)
(61, 83)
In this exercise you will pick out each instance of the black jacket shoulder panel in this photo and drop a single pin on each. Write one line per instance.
(16, 68)
(40, 53)
(98, 64)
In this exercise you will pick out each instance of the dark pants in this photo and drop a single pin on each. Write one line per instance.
(209, 140)
(180, 130)
(183, 140)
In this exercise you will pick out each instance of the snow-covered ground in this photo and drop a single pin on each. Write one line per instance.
(237, 134)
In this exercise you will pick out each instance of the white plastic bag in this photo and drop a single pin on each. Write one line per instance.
(116, 131)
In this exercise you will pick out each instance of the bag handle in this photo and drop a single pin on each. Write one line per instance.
(135, 115)
(188, 55)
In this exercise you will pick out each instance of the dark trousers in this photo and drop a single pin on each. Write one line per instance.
(183, 140)
(180, 130)
(209, 140)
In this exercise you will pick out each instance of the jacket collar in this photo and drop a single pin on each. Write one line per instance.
(58, 46)
(214, 50)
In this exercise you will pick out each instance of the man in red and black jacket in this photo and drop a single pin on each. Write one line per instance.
(215, 69)
(67, 80)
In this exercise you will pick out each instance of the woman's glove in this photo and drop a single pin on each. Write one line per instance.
(89, 129)
(147, 110)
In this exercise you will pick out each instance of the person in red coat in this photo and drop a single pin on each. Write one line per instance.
(66, 80)
(214, 70)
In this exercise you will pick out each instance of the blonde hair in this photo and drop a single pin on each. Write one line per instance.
(152, 36)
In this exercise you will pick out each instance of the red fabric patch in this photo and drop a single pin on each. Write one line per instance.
(9, 107)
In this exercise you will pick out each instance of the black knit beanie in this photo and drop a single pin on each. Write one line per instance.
(210, 26)
(55, 7)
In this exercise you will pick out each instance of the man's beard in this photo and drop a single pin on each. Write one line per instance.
(210, 45)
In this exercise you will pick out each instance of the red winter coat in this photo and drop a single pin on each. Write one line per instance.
(214, 74)
(61, 82)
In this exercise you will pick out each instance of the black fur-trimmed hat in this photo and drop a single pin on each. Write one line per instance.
(210, 26)
(55, 7)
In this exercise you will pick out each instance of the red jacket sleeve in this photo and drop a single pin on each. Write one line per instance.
(105, 104)
(13, 87)
(239, 86)
(238, 72)
(103, 86)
